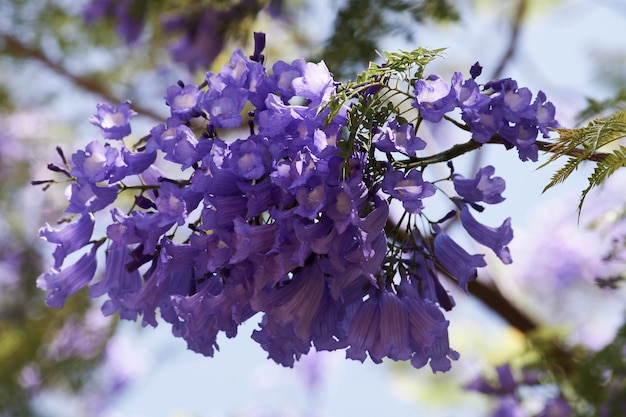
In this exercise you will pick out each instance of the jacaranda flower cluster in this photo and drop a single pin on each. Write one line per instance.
(294, 220)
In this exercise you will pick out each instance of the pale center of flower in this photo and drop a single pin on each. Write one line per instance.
(343, 204)
(316, 195)
(184, 101)
(247, 162)
(407, 188)
(113, 120)
(94, 163)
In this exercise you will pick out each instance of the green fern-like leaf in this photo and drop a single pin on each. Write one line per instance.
(400, 67)
(605, 168)
(597, 108)
(597, 133)
(582, 144)
(563, 173)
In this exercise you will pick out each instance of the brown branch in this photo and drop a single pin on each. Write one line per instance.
(493, 298)
(471, 145)
(516, 27)
(576, 152)
(18, 48)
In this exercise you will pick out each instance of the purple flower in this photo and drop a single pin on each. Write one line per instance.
(114, 122)
(481, 188)
(434, 98)
(234, 74)
(364, 332)
(65, 282)
(506, 384)
(141, 227)
(219, 212)
(476, 70)
(259, 45)
(177, 141)
(509, 407)
(252, 239)
(85, 197)
(398, 138)
(280, 342)
(201, 40)
(283, 75)
(183, 101)
(341, 206)
(120, 282)
(496, 239)
(129, 22)
(523, 136)
(69, 238)
(316, 84)
(296, 303)
(544, 114)
(400, 328)
(483, 122)
(250, 158)
(311, 197)
(454, 259)
(468, 95)
(216, 307)
(229, 90)
(409, 188)
(135, 163)
(224, 106)
(558, 407)
(173, 274)
(96, 163)
(514, 101)
(428, 331)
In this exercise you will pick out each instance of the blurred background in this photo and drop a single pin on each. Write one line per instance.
(59, 58)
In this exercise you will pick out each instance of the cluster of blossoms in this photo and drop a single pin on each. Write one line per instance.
(506, 110)
(291, 222)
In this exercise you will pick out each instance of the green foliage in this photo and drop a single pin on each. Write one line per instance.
(597, 108)
(361, 24)
(582, 144)
(601, 378)
(593, 382)
(394, 78)
(377, 93)
(605, 168)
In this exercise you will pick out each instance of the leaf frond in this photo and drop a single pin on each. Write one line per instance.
(607, 167)
(582, 144)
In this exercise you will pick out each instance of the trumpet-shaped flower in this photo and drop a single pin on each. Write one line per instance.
(114, 122)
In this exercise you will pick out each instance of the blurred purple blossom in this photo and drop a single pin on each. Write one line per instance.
(129, 21)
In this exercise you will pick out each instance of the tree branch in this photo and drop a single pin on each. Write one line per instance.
(18, 48)
(516, 27)
(463, 148)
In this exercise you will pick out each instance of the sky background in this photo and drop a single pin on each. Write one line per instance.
(557, 53)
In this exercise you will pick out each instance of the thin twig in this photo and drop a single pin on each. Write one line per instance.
(463, 148)
(18, 48)
(516, 27)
